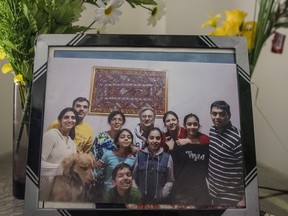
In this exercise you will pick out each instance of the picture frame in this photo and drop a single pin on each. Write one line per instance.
(200, 70)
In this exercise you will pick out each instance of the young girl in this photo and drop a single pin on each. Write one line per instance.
(190, 157)
(111, 158)
(174, 131)
(153, 170)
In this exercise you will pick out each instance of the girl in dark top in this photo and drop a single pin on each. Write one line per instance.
(190, 158)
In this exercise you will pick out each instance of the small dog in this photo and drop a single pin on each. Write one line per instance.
(76, 178)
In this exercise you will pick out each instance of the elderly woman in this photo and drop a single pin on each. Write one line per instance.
(57, 144)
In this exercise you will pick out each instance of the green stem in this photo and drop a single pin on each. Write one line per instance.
(25, 117)
(22, 95)
(145, 7)
(88, 27)
(263, 30)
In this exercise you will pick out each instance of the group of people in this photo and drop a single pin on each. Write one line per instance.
(146, 165)
(67, 135)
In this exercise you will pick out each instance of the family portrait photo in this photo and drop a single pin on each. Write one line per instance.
(145, 129)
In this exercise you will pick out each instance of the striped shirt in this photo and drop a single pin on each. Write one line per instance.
(225, 172)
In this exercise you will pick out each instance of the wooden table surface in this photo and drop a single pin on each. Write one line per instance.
(9, 206)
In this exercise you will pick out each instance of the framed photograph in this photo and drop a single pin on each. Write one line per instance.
(182, 79)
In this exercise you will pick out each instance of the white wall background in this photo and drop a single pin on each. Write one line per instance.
(185, 93)
(186, 17)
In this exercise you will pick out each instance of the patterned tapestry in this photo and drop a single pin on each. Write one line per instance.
(128, 89)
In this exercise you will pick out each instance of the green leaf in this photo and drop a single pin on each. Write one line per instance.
(66, 11)
(44, 30)
(30, 17)
(12, 46)
(281, 25)
(93, 2)
(134, 3)
(130, 2)
(76, 29)
(144, 2)
(26, 69)
(60, 29)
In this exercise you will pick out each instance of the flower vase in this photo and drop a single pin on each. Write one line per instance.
(20, 146)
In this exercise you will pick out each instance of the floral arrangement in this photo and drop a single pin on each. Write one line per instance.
(21, 21)
(272, 14)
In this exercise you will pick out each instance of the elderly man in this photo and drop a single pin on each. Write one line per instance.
(225, 172)
(147, 119)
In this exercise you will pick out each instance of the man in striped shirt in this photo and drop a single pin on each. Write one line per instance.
(225, 172)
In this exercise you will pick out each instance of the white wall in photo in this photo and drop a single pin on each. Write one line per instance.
(192, 87)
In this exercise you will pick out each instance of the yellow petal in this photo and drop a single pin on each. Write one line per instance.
(231, 29)
(249, 26)
(19, 79)
(2, 54)
(220, 31)
(6, 68)
(227, 29)
(248, 31)
(212, 22)
(235, 16)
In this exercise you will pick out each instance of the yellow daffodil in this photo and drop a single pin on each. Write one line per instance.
(248, 31)
(235, 16)
(6, 68)
(230, 28)
(227, 29)
(271, 16)
(2, 54)
(19, 79)
(219, 31)
(212, 22)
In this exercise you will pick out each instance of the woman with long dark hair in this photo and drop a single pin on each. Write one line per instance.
(190, 156)
(56, 145)
(173, 130)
